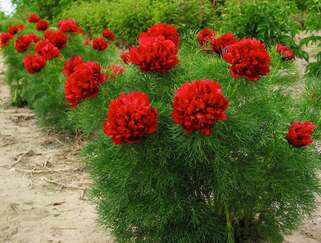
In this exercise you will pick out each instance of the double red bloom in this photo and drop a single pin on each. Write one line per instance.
(285, 51)
(58, 38)
(220, 44)
(248, 58)
(205, 37)
(16, 28)
(130, 117)
(108, 34)
(23, 42)
(300, 133)
(83, 82)
(154, 54)
(199, 105)
(34, 63)
(69, 25)
(71, 64)
(168, 31)
(99, 44)
(46, 49)
(5, 37)
(42, 25)
(33, 18)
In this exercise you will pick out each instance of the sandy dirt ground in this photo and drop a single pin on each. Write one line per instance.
(43, 184)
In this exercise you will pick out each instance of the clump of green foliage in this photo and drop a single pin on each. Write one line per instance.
(267, 20)
(46, 9)
(312, 21)
(127, 18)
(92, 16)
(314, 66)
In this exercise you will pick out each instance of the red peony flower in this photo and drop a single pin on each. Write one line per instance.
(199, 105)
(108, 34)
(300, 133)
(205, 37)
(33, 18)
(5, 37)
(130, 117)
(58, 38)
(83, 83)
(125, 56)
(46, 49)
(285, 52)
(155, 54)
(15, 28)
(34, 63)
(42, 25)
(71, 64)
(99, 44)
(249, 59)
(69, 25)
(23, 42)
(169, 32)
(219, 44)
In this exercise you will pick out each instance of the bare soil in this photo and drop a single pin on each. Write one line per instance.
(43, 184)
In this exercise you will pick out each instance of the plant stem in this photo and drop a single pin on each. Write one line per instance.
(229, 226)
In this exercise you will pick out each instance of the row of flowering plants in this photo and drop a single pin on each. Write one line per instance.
(36, 56)
(194, 140)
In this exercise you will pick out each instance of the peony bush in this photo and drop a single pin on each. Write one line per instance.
(189, 140)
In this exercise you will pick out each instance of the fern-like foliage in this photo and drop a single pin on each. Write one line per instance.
(242, 184)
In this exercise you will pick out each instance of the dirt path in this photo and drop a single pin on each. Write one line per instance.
(35, 207)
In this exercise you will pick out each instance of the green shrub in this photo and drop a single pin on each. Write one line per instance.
(185, 14)
(267, 20)
(46, 9)
(244, 183)
(44, 91)
(92, 16)
(127, 18)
